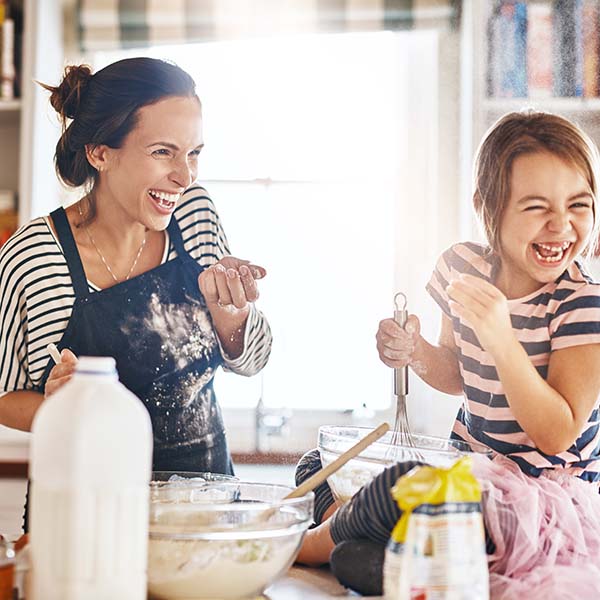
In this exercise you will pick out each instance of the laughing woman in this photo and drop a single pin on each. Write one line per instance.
(137, 269)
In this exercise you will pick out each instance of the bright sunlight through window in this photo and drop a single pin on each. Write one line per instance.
(302, 147)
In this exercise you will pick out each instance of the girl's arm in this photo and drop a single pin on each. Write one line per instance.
(436, 365)
(552, 412)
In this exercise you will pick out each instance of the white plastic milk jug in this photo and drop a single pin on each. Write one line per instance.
(90, 465)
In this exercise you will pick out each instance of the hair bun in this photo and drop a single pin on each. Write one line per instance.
(66, 98)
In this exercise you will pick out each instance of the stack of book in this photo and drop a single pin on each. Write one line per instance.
(544, 48)
(9, 218)
(7, 50)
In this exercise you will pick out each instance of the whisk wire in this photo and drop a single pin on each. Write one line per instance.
(401, 434)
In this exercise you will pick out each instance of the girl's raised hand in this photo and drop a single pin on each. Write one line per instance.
(484, 308)
(230, 283)
(61, 373)
(395, 344)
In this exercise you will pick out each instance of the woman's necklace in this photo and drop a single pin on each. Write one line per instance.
(137, 256)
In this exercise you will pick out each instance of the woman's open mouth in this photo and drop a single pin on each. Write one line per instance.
(164, 202)
(550, 253)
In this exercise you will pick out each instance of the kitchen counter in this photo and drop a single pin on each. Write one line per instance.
(302, 583)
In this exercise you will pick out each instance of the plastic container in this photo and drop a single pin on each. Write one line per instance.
(91, 455)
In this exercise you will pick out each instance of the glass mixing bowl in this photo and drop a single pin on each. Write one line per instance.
(223, 539)
(344, 483)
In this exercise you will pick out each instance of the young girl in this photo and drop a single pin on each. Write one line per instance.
(520, 339)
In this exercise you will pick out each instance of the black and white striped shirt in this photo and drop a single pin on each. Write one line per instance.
(37, 296)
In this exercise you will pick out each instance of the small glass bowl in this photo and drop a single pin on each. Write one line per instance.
(344, 483)
(183, 486)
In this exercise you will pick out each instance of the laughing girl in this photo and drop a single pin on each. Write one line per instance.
(520, 340)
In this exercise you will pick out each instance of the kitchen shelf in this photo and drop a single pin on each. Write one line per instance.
(574, 105)
(10, 105)
(479, 111)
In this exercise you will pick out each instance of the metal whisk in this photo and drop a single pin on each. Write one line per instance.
(401, 434)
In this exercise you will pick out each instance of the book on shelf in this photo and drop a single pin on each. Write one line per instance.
(9, 217)
(568, 48)
(8, 225)
(11, 32)
(591, 47)
(7, 62)
(507, 60)
(540, 82)
(544, 48)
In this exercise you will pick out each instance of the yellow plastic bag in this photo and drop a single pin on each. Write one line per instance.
(437, 549)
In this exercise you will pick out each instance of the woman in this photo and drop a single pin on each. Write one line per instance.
(136, 269)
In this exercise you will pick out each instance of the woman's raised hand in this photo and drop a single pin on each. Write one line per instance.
(61, 373)
(230, 283)
(395, 344)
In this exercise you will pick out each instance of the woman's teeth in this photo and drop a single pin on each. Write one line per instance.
(550, 253)
(163, 199)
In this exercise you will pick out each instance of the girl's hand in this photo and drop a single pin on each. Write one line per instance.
(396, 345)
(485, 308)
(61, 373)
(230, 283)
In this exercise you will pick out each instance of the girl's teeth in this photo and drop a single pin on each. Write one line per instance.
(554, 247)
(550, 259)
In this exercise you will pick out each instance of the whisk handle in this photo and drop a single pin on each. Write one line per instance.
(401, 375)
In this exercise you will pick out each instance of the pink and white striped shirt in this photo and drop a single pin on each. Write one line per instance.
(561, 314)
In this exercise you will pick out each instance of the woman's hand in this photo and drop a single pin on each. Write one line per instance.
(230, 284)
(61, 373)
(228, 287)
(396, 345)
(484, 308)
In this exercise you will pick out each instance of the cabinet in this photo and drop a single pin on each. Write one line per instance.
(480, 104)
(28, 126)
(28, 134)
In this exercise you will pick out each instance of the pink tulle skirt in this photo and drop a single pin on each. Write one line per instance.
(546, 531)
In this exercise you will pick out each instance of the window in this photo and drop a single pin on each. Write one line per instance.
(309, 162)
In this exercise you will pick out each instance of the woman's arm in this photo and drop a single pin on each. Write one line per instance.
(17, 409)
(230, 289)
(229, 286)
(436, 365)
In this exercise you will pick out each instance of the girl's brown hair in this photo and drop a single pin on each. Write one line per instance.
(521, 133)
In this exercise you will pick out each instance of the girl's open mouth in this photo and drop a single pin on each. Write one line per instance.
(549, 253)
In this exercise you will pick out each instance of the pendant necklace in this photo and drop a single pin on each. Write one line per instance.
(110, 271)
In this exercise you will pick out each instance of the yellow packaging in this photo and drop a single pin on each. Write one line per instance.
(437, 549)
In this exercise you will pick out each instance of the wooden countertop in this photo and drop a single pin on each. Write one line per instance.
(301, 583)
(16, 467)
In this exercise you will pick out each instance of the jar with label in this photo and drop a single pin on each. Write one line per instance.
(7, 569)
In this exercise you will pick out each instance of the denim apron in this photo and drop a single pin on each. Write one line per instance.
(158, 329)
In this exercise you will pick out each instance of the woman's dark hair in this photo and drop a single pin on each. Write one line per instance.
(103, 108)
